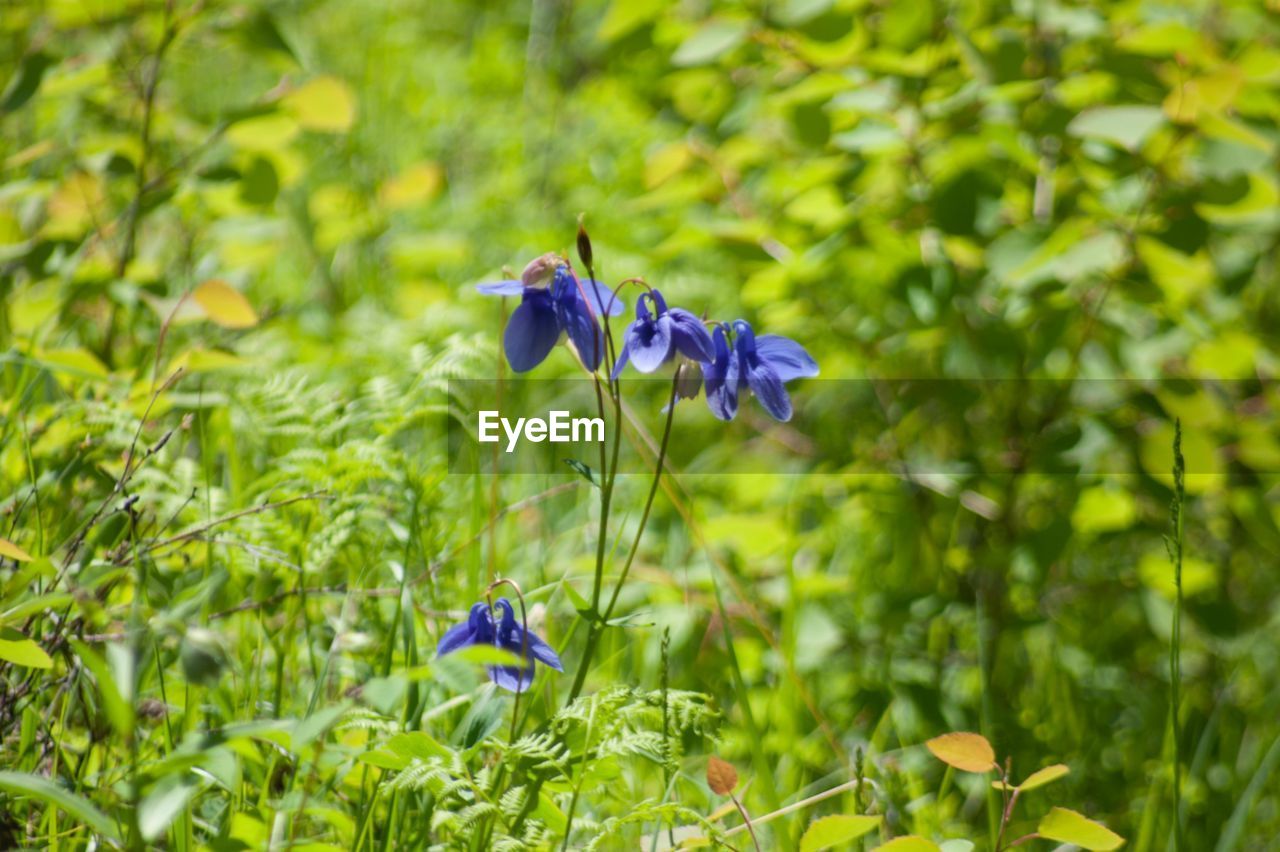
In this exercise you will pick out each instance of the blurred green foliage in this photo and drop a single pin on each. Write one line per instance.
(237, 578)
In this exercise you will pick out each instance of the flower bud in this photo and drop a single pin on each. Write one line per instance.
(540, 269)
(690, 380)
(584, 245)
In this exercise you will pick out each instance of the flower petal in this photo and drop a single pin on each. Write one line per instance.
(722, 400)
(623, 357)
(544, 653)
(531, 332)
(690, 336)
(649, 343)
(512, 678)
(582, 327)
(602, 298)
(501, 288)
(768, 388)
(787, 358)
(456, 637)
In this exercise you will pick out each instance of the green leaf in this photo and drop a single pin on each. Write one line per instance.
(585, 472)
(19, 650)
(21, 784)
(1067, 826)
(626, 15)
(1126, 126)
(24, 82)
(909, 843)
(710, 42)
(834, 830)
(158, 808)
(415, 744)
(1041, 777)
(119, 711)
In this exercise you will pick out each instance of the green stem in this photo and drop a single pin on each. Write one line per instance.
(1175, 645)
(596, 629)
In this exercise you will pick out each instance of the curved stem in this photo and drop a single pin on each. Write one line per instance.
(524, 641)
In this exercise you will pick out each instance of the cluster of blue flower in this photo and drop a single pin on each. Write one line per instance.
(731, 358)
(726, 361)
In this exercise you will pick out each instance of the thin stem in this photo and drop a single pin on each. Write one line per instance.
(855, 784)
(746, 820)
(653, 490)
(1175, 645)
(524, 642)
(596, 629)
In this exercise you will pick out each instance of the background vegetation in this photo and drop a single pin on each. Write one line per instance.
(231, 536)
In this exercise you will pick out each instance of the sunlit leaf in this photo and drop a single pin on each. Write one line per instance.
(831, 831)
(714, 39)
(1126, 126)
(9, 550)
(324, 104)
(415, 185)
(1068, 826)
(1044, 776)
(963, 750)
(225, 305)
(19, 650)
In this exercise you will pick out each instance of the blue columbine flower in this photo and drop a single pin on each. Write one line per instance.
(762, 365)
(568, 306)
(654, 337)
(508, 634)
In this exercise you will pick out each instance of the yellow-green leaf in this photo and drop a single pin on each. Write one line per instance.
(324, 104)
(963, 750)
(225, 305)
(21, 651)
(9, 550)
(1066, 826)
(1041, 777)
(909, 843)
(834, 830)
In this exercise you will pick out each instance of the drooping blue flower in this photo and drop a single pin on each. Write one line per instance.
(762, 365)
(655, 337)
(568, 306)
(508, 634)
(720, 375)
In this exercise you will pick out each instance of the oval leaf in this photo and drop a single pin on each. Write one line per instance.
(963, 750)
(721, 776)
(21, 784)
(324, 104)
(9, 550)
(1066, 826)
(225, 305)
(1044, 776)
(909, 843)
(834, 830)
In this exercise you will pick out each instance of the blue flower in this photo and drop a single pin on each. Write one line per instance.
(720, 376)
(508, 634)
(762, 365)
(568, 306)
(654, 337)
